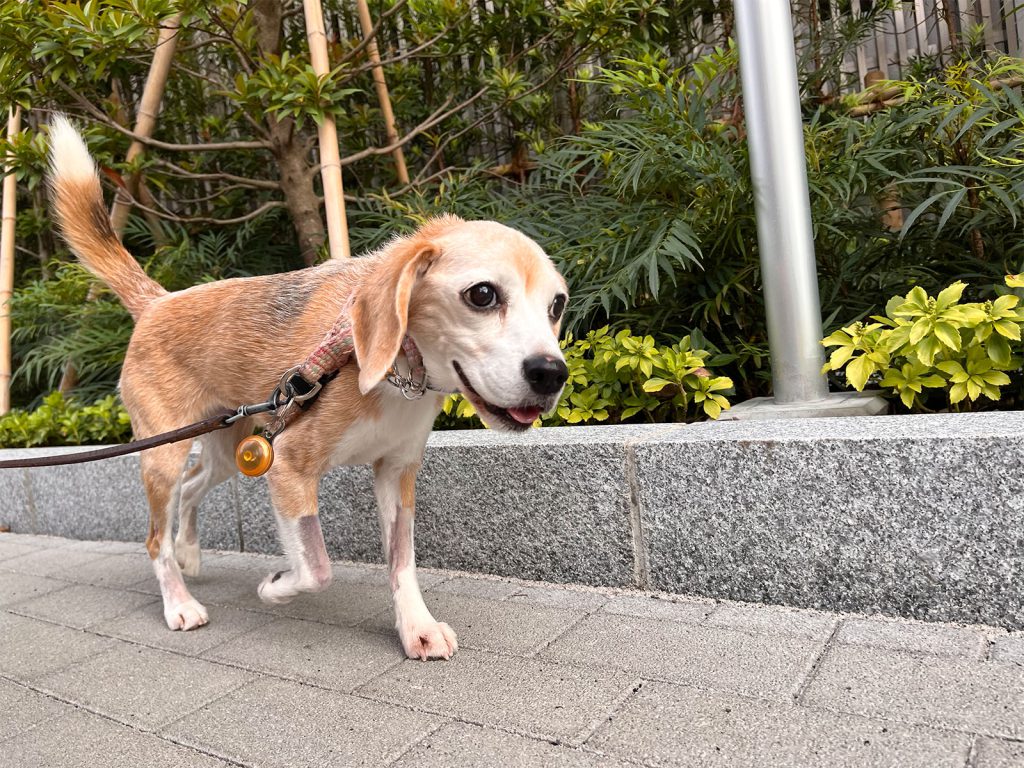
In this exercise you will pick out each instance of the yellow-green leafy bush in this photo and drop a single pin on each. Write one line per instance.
(924, 342)
(614, 378)
(64, 422)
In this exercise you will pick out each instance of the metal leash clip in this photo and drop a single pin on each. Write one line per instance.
(255, 453)
(409, 387)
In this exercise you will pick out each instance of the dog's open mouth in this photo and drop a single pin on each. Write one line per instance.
(519, 418)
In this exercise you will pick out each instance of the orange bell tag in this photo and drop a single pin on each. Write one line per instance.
(254, 455)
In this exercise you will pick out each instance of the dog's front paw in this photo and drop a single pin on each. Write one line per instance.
(430, 640)
(187, 615)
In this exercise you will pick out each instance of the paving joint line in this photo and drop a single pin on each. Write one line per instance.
(430, 732)
(535, 654)
(830, 642)
(131, 726)
(918, 723)
(972, 753)
(584, 734)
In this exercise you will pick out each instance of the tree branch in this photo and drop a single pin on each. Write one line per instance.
(100, 117)
(245, 181)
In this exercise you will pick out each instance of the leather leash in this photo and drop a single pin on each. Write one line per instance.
(220, 421)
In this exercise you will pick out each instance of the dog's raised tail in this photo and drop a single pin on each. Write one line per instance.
(83, 220)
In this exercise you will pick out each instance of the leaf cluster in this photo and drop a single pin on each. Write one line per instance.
(618, 378)
(59, 421)
(965, 350)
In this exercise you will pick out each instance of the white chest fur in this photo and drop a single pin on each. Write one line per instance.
(399, 432)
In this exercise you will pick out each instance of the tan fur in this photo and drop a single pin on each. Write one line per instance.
(78, 204)
(219, 345)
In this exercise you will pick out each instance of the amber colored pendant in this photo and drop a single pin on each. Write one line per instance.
(254, 455)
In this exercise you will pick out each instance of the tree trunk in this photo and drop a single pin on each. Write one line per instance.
(289, 149)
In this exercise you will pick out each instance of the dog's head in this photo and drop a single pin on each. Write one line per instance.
(483, 303)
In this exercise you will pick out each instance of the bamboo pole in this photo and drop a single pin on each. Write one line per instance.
(145, 122)
(7, 222)
(330, 159)
(145, 119)
(382, 90)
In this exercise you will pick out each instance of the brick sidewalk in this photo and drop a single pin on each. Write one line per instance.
(546, 676)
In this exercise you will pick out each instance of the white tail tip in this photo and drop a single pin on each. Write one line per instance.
(69, 157)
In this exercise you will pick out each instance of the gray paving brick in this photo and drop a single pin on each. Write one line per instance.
(10, 547)
(146, 626)
(54, 563)
(109, 546)
(344, 604)
(141, 686)
(646, 606)
(667, 725)
(1009, 647)
(325, 655)
(116, 570)
(997, 753)
(81, 606)
(31, 648)
(470, 746)
(559, 597)
(83, 740)
(541, 699)
(279, 723)
(980, 696)
(470, 586)
(218, 585)
(22, 708)
(40, 541)
(502, 626)
(707, 657)
(773, 620)
(18, 587)
(914, 637)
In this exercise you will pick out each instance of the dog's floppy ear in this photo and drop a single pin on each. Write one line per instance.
(380, 313)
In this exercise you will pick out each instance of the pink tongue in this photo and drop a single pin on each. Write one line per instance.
(524, 415)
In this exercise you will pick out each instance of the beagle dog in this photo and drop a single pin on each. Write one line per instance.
(482, 302)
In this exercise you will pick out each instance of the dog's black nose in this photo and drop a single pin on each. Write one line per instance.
(546, 374)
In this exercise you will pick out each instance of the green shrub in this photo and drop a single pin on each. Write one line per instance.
(622, 377)
(64, 422)
(924, 342)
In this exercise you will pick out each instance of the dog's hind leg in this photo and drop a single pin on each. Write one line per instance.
(293, 493)
(216, 464)
(422, 636)
(161, 474)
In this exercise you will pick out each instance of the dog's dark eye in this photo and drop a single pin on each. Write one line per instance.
(557, 307)
(481, 296)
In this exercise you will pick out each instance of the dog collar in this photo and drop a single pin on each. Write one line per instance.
(417, 383)
(337, 348)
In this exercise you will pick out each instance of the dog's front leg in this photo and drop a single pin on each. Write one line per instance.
(422, 636)
(293, 494)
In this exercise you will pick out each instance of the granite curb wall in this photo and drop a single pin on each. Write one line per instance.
(914, 516)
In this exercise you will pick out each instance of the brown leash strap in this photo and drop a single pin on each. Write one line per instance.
(220, 421)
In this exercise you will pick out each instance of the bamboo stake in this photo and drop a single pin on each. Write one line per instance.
(382, 90)
(7, 222)
(330, 159)
(145, 122)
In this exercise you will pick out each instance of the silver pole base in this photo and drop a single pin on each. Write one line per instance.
(836, 404)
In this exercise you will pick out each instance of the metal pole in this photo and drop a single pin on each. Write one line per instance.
(771, 103)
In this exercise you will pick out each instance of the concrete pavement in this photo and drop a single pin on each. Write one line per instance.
(547, 675)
